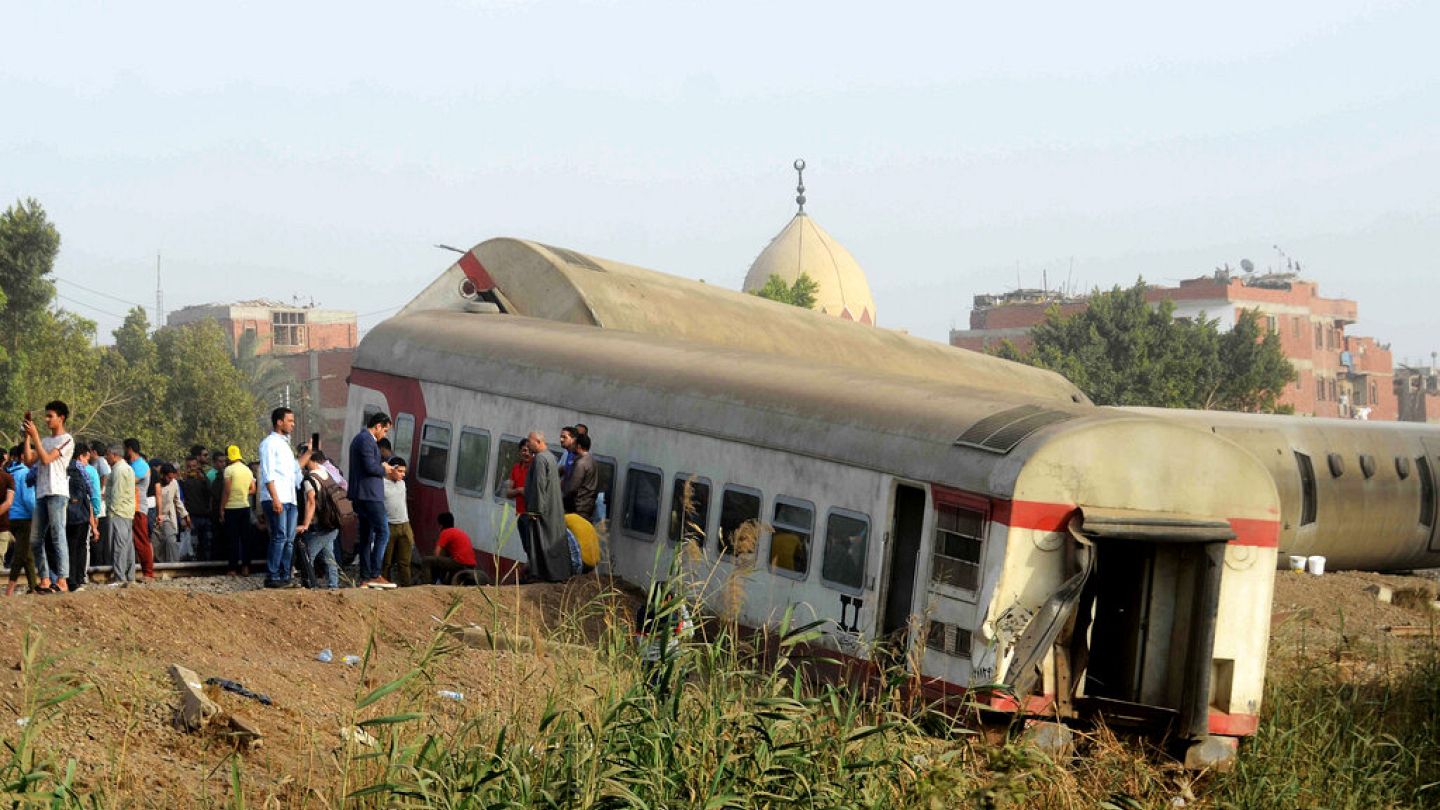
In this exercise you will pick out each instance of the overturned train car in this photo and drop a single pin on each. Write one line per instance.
(1097, 562)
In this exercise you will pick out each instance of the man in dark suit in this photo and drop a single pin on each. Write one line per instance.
(366, 489)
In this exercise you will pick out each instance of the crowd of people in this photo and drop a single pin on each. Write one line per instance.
(68, 504)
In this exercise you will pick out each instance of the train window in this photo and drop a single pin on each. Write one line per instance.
(473, 461)
(691, 495)
(1307, 488)
(1367, 465)
(959, 537)
(847, 536)
(506, 454)
(1336, 463)
(434, 461)
(605, 475)
(791, 533)
(1427, 492)
(739, 520)
(402, 436)
(1402, 467)
(642, 501)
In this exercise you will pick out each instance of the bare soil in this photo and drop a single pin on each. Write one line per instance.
(122, 733)
(122, 641)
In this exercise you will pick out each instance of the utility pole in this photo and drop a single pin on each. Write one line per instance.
(159, 296)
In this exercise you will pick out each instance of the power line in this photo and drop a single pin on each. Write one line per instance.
(99, 293)
(88, 306)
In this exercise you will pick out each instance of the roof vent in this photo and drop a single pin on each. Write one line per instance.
(1002, 432)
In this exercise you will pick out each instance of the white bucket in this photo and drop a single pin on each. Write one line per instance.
(1297, 562)
(1315, 565)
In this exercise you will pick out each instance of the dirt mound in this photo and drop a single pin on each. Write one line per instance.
(1341, 612)
(122, 641)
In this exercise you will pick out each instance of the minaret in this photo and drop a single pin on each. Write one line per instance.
(800, 185)
(159, 296)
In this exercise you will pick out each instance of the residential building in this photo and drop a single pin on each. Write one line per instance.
(317, 347)
(1337, 375)
(1418, 390)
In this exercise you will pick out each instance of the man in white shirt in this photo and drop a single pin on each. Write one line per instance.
(52, 493)
(279, 478)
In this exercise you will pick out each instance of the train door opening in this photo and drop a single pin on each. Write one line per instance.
(1151, 605)
(1429, 497)
(906, 534)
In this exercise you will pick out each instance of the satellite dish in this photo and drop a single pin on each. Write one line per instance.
(1247, 265)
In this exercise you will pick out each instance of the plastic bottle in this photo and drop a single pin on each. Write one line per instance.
(350, 660)
(325, 656)
(449, 695)
(599, 507)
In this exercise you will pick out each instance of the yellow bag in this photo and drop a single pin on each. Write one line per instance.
(587, 538)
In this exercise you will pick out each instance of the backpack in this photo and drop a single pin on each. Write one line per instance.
(78, 509)
(332, 508)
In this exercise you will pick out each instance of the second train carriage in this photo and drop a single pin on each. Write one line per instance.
(1362, 494)
(1096, 560)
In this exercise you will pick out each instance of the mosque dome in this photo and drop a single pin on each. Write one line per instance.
(805, 247)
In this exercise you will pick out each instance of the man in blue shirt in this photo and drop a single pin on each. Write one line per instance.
(279, 480)
(140, 527)
(22, 510)
(366, 488)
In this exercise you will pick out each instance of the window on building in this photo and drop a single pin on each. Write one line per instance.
(689, 509)
(287, 328)
(739, 520)
(1332, 394)
(472, 462)
(959, 539)
(642, 501)
(1294, 326)
(1320, 390)
(1329, 339)
(1273, 324)
(402, 436)
(434, 461)
(1374, 393)
(1319, 336)
(790, 536)
(847, 536)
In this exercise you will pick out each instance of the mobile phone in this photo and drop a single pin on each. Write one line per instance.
(314, 441)
(27, 417)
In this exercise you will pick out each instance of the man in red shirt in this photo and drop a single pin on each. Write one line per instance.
(453, 552)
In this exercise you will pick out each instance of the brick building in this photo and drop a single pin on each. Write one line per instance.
(1338, 375)
(317, 347)
(1418, 390)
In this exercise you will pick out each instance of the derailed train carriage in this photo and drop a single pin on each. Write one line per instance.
(1098, 562)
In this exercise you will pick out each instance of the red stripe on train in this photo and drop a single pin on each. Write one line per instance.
(1053, 517)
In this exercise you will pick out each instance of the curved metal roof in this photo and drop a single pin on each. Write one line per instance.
(864, 418)
(556, 284)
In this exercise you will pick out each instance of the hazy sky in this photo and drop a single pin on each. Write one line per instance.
(320, 150)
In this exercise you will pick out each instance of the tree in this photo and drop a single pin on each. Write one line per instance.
(265, 375)
(28, 246)
(208, 399)
(800, 294)
(1122, 351)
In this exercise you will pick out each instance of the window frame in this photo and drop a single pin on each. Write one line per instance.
(678, 483)
(775, 504)
(416, 463)
(407, 453)
(1309, 489)
(502, 477)
(851, 514)
(1426, 476)
(627, 511)
(484, 468)
(721, 552)
(608, 492)
(956, 499)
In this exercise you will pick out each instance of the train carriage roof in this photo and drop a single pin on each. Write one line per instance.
(556, 284)
(866, 418)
